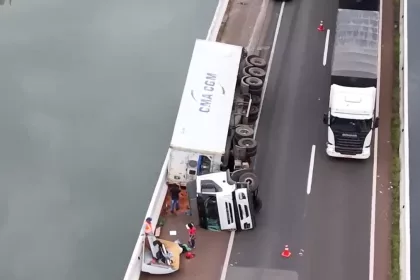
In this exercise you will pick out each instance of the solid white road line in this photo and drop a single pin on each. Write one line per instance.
(375, 156)
(406, 240)
(311, 170)
(327, 40)
(227, 258)
(276, 34)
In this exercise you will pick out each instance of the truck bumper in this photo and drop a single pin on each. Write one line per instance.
(332, 153)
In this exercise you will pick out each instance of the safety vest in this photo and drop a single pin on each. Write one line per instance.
(148, 228)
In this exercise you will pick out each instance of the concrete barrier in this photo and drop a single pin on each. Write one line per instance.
(217, 21)
(158, 198)
(134, 267)
(405, 263)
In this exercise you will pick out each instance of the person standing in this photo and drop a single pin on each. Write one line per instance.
(148, 228)
(175, 191)
(191, 234)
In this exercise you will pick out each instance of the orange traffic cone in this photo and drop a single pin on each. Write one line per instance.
(321, 26)
(286, 252)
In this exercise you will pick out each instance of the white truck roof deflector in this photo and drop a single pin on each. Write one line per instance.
(352, 102)
(204, 114)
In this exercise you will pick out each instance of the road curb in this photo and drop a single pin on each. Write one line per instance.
(220, 18)
(404, 151)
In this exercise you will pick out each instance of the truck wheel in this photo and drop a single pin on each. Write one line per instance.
(258, 62)
(243, 131)
(248, 143)
(252, 181)
(253, 113)
(248, 59)
(251, 153)
(255, 91)
(251, 146)
(257, 72)
(245, 71)
(254, 83)
(256, 100)
(244, 86)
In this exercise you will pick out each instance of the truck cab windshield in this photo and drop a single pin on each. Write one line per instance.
(349, 125)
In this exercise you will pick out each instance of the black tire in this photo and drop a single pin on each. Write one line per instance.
(249, 143)
(254, 110)
(243, 86)
(254, 83)
(258, 62)
(257, 72)
(252, 181)
(255, 91)
(249, 58)
(251, 153)
(256, 100)
(245, 71)
(253, 114)
(235, 175)
(243, 131)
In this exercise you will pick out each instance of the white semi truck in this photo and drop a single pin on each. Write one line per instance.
(203, 139)
(351, 117)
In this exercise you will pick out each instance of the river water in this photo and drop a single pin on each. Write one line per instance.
(89, 92)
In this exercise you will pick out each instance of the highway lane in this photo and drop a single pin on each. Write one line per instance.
(413, 88)
(331, 224)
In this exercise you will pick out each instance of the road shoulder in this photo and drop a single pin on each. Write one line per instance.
(384, 159)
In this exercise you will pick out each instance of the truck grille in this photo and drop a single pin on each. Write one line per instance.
(349, 143)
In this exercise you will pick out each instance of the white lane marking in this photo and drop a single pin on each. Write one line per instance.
(311, 170)
(227, 258)
(373, 209)
(276, 34)
(406, 239)
(375, 156)
(327, 40)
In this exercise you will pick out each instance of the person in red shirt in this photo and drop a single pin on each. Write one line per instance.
(191, 234)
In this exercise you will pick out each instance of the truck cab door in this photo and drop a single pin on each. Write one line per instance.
(244, 209)
(225, 207)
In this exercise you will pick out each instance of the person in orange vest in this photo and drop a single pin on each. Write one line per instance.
(148, 228)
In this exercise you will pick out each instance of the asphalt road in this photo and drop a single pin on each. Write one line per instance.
(331, 224)
(413, 70)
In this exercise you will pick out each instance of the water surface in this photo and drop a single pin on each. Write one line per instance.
(89, 91)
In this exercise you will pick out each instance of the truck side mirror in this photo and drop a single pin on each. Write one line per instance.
(325, 120)
(376, 124)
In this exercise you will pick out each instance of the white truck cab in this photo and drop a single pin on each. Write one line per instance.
(351, 120)
(222, 203)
